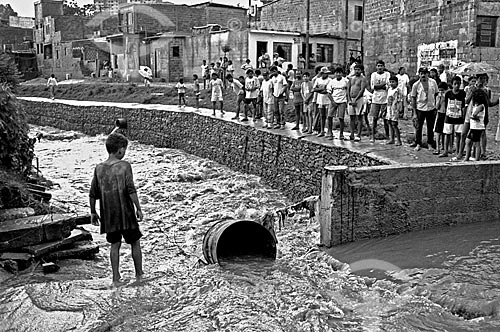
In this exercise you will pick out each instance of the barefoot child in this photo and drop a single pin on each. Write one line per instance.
(181, 92)
(355, 90)
(394, 110)
(238, 87)
(477, 126)
(113, 186)
(266, 89)
(306, 90)
(298, 102)
(196, 89)
(216, 86)
(440, 117)
(455, 115)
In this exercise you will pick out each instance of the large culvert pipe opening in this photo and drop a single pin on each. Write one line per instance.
(229, 239)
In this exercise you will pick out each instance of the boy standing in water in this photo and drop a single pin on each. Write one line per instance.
(113, 186)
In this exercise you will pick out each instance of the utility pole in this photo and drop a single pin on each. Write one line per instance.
(363, 34)
(346, 22)
(308, 14)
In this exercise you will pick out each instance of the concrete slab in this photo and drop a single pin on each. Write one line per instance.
(390, 154)
(35, 230)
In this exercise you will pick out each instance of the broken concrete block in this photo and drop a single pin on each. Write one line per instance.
(82, 250)
(35, 230)
(21, 261)
(38, 250)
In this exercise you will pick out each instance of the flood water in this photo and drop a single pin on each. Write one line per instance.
(432, 286)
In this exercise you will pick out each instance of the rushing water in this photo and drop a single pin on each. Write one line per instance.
(432, 288)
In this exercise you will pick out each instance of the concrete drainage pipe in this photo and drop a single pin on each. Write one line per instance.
(234, 238)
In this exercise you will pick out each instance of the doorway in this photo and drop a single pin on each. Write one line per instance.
(261, 47)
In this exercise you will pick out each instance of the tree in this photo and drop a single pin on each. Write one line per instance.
(9, 73)
(6, 11)
(71, 7)
(16, 148)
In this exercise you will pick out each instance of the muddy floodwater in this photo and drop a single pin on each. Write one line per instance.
(305, 289)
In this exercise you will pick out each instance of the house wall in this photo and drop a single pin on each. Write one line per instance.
(225, 16)
(274, 38)
(160, 18)
(326, 16)
(12, 37)
(208, 46)
(393, 30)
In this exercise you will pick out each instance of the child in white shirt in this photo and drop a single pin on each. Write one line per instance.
(181, 92)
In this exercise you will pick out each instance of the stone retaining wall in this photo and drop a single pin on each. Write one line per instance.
(370, 202)
(291, 165)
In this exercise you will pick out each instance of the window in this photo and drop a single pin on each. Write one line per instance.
(284, 50)
(486, 31)
(176, 52)
(358, 13)
(57, 54)
(324, 53)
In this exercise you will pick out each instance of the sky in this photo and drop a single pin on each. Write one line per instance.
(26, 7)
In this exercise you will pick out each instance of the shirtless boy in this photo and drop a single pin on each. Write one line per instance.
(355, 90)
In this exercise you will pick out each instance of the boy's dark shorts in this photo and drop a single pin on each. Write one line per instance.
(181, 95)
(249, 101)
(129, 235)
(475, 135)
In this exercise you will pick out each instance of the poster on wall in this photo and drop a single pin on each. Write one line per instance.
(432, 55)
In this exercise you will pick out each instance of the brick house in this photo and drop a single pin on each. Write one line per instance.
(281, 28)
(428, 33)
(17, 41)
(161, 36)
(65, 45)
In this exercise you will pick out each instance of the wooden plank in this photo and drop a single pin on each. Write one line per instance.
(36, 187)
(40, 195)
(78, 234)
(82, 250)
(33, 230)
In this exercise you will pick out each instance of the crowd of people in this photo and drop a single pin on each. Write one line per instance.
(454, 109)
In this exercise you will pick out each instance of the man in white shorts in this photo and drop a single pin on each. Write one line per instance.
(356, 103)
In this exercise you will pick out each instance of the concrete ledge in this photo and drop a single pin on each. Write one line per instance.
(370, 202)
(283, 159)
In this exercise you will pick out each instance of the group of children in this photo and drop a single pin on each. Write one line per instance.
(462, 117)
(458, 121)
